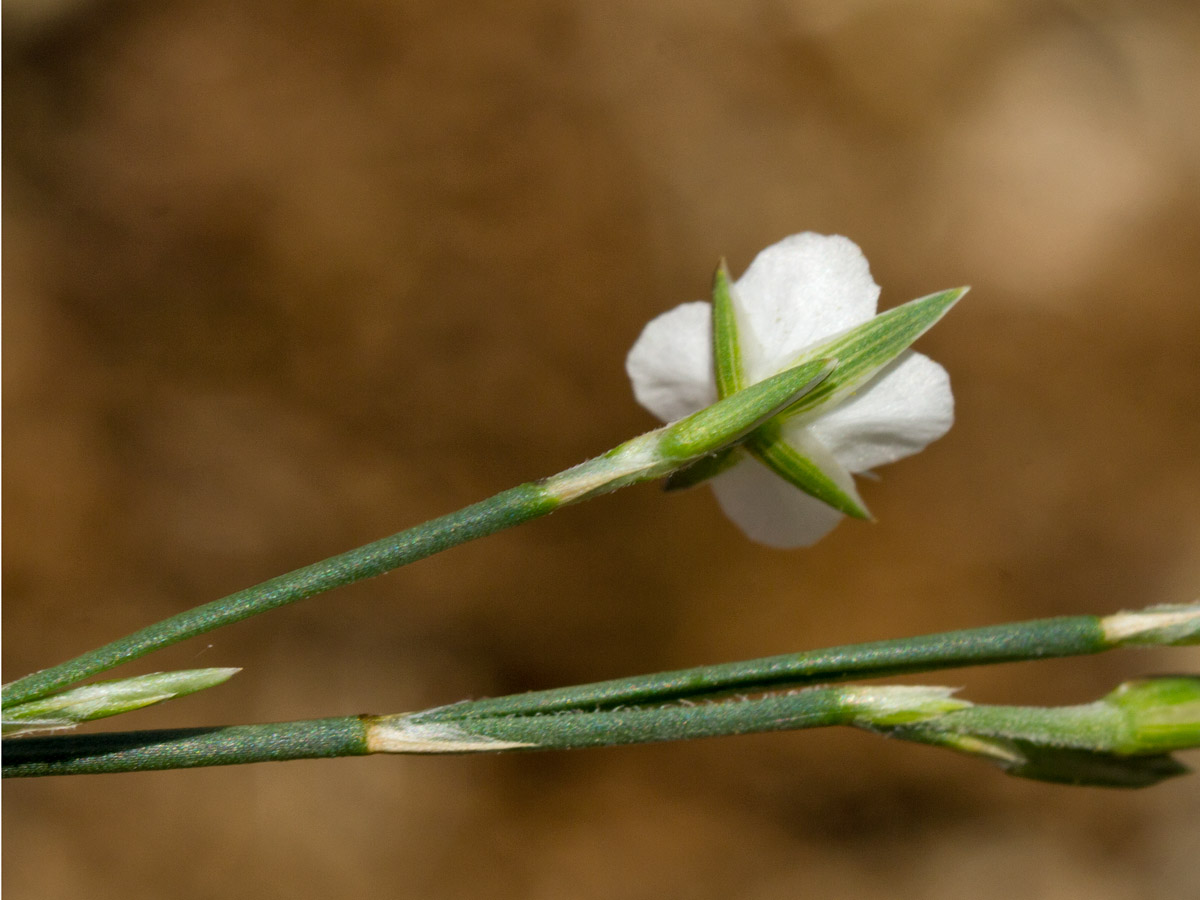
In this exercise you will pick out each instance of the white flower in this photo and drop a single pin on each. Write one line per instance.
(795, 296)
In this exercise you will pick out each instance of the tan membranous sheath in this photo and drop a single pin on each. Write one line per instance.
(399, 734)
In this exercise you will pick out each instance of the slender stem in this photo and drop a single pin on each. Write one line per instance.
(651, 455)
(658, 708)
(357, 736)
(1037, 639)
(512, 507)
(1155, 626)
(185, 748)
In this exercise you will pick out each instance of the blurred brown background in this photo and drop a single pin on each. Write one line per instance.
(285, 278)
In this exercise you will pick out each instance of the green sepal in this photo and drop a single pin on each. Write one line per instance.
(1162, 714)
(825, 480)
(1066, 765)
(729, 420)
(107, 698)
(815, 472)
(704, 433)
(865, 349)
(1121, 740)
(727, 340)
(1057, 765)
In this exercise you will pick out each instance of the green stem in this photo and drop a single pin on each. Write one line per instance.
(649, 456)
(1157, 716)
(1037, 639)
(358, 736)
(185, 748)
(1155, 626)
(511, 507)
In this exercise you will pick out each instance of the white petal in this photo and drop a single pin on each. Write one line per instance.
(801, 290)
(769, 510)
(907, 406)
(671, 363)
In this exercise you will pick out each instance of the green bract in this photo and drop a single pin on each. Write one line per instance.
(108, 698)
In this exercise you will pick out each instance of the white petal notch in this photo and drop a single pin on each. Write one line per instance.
(808, 297)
